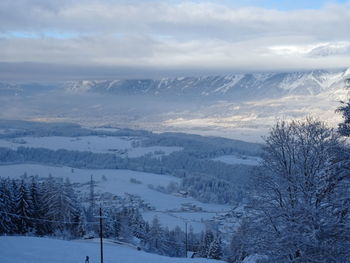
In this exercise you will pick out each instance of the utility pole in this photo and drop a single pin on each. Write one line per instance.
(101, 235)
(186, 238)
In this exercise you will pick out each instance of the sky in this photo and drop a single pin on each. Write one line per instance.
(97, 39)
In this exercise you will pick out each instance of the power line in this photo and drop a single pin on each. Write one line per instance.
(69, 222)
(46, 220)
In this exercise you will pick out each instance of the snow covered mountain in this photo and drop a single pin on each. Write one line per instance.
(235, 87)
(239, 106)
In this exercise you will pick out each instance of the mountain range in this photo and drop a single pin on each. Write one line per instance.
(234, 87)
(239, 106)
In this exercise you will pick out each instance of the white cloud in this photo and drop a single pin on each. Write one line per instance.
(172, 35)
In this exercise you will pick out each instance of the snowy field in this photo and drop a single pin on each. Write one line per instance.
(97, 144)
(45, 250)
(118, 182)
(235, 159)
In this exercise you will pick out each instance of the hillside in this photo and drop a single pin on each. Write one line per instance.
(44, 250)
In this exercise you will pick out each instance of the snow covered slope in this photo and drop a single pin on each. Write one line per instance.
(238, 159)
(121, 145)
(44, 250)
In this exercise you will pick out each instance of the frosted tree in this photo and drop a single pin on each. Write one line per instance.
(24, 210)
(72, 210)
(299, 213)
(242, 242)
(207, 240)
(175, 242)
(215, 248)
(6, 207)
(137, 224)
(37, 205)
(192, 240)
(61, 205)
(156, 238)
(344, 109)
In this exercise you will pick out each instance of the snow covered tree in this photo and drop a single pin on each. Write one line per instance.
(175, 242)
(7, 205)
(344, 127)
(192, 239)
(137, 224)
(208, 238)
(37, 205)
(61, 205)
(299, 213)
(241, 242)
(125, 232)
(155, 238)
(24, 210)
(215, 249)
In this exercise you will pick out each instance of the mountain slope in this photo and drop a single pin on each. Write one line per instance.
(232, 87)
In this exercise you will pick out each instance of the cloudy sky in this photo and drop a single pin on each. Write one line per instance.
(72, 39)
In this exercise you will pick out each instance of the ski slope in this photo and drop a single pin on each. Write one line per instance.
(16, 249)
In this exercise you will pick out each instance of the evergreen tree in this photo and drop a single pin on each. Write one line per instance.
(175, 242)
(61, 205)
(215, 248)
(155, 238)
(192, 240)
(344, 127)
(24, 210)
(126, 232)
(207, 240)
(6, 203)
(137, 224)
(37, 205)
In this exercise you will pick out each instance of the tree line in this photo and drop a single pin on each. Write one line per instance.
(52, 207)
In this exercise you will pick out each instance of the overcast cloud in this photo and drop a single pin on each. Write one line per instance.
(141, 38)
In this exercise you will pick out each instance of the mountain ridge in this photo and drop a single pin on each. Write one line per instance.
(232, 86)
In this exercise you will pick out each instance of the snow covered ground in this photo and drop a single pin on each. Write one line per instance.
(235, 159)
(118, 182)
(98, 144)
(45, 250)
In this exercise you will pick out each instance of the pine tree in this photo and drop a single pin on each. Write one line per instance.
(344, 127)
(175, 242)
(37, 205)
(6, 202)
(24, 210)
(61, 205)
(126, 232)
(137, 224)
(206, 242)
(215, 248)
(193, 242)
(155, 237)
